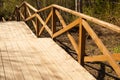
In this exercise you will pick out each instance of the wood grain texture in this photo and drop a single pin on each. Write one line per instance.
(83, 25)
(103, 58)
(26, 57)
(102, 47)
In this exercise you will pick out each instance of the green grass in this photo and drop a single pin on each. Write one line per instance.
(117, 49)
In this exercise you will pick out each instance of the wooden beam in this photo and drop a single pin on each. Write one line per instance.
(73, 42)
(53, 27)
(25, 11)
(91, 19)
(37, 26)
(41, 30)
(21, 14)
(45, 8)
(21, 5)
(101, 46)
(31, 7)
(33, 22)
(44, 24)
(65, 29)
(29, 18)
(34, 25)
(29, 13)
(101, 58)
(46, 21)
(82, 39)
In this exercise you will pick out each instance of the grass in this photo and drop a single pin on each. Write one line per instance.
(117, 49)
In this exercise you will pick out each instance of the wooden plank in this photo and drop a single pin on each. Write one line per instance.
(36, 58)
(31, 20)
(45, 8)
(40, 62)
(82, 39)
(46, 21)
(24, 48)
(24, 66)
(31, 7)
(44, 24)
(25, 11)
(21, 14)
(101, 46)
(6, 62)
(18, 62)
(34, 24)
(73, 42)
(30, 65)
(15, 64)
(68, 27)
(100, 58)
(29, 13)
(65, 62)
(53, 27)
(37, 27)
(2, 73)
(25, 31)
(50, 63)
(91, 19)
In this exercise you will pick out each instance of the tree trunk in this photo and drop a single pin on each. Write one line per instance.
(76, 5)
(80, 6)
(38, 4)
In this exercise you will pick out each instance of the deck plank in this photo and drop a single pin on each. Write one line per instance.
(23, 56)
(15, 62)
(56, 72)
(22, 64)
(2, 72)
(33, 70)
(6, 62)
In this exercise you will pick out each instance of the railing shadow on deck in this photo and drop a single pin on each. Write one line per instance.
(26, 12)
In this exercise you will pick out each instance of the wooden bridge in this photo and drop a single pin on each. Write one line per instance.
(24, 56)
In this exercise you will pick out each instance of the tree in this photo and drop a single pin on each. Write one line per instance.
(80, 6)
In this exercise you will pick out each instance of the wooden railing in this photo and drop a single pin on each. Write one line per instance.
(26, 12)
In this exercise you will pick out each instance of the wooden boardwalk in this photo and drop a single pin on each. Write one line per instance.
(23, 56)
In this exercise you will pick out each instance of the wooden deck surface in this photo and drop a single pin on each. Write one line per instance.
(23, 56)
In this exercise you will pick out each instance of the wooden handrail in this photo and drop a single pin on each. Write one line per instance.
(31, 7)
(65, 29)
(43, 9)
(89, 18)
(83, 25)
(86, 17)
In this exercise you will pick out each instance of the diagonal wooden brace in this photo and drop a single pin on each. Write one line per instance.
(101, 46)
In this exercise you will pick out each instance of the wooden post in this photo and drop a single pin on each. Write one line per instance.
(37, 26)
(17, 13)
(81, 46)
(53, 21)
(25, 11)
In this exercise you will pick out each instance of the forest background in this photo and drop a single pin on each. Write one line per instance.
(107, 10)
